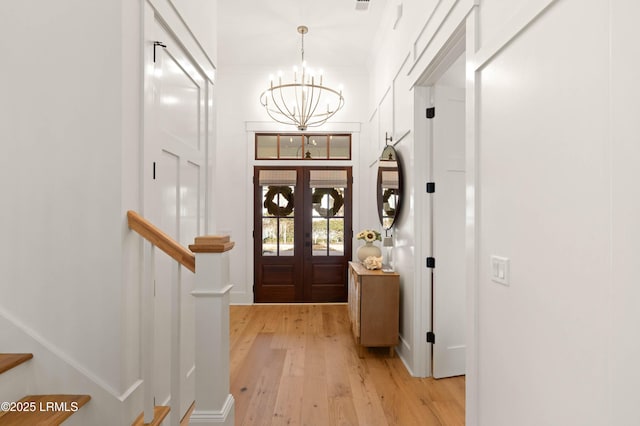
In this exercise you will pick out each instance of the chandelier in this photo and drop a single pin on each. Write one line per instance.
(305, 102)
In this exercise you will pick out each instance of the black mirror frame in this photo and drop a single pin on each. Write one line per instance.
(389, 150)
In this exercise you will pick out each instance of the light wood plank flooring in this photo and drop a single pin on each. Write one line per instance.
(298, 365)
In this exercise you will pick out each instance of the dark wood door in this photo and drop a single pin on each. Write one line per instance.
(302, 233)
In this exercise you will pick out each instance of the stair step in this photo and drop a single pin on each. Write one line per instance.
(159, 413)
(8, 361)
(43, 410)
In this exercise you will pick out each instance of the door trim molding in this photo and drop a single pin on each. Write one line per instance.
(171, 17)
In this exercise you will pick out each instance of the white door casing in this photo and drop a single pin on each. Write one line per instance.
(448, 231)
(174, 190)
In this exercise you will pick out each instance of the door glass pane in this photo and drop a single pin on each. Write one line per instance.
(269, 234)
(340, 147)
(336, 237)
(291, 146)
(328, 221)
(285, 240)
(277, 201)
(315, 147)
(278, 220)
(320, 236)
(266, 147)
(327, 202)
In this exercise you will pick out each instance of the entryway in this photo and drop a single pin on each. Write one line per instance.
(302, 233)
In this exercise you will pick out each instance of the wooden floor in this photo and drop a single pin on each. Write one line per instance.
(298, 365)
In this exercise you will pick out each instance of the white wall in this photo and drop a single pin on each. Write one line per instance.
(544, 174)
(61, 176)
(71, 127)
(238, 92)
(571, 237)
(556, 148)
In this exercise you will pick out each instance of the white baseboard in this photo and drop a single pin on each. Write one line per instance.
(225, 416)
(403, 350)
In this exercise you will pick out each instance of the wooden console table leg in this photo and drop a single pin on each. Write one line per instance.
(392, 351)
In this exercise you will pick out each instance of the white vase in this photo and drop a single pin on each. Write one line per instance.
(368, 249)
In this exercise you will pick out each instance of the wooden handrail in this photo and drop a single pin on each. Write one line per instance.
(161, 240)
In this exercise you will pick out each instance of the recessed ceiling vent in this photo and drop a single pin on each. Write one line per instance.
(362, 4)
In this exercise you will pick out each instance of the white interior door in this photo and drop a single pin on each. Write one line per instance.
(448, 225)
(174, 190)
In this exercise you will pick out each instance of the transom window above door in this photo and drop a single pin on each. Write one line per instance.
(307, 146)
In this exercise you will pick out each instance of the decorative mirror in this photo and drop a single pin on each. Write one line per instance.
(389, 188)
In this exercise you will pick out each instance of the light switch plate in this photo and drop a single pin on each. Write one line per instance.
(500, 270)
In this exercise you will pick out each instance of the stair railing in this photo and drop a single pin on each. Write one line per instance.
(214, 403)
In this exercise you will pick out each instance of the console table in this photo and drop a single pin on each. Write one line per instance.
(374, 299)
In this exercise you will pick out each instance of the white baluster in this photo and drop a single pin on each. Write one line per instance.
(147, 328)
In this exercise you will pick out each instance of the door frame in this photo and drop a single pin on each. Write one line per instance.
(469, 32)
(242, 293)
(423, 95)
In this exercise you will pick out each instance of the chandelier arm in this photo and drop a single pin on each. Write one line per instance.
(288, 114)
(308, 103)
(277, 118)
(264, 98)
(315, 105)
(304, 114)
(274, 114)
(322, 117)
(300, 103)
(275, 111)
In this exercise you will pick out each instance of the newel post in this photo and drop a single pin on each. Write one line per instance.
(214, 403)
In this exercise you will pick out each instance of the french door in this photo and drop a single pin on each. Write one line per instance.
(302, 233)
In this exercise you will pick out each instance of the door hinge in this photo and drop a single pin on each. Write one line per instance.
(431, 187)
(431, 337)
(154, 170)
(431, 262)
(431, 112)
(156, 44)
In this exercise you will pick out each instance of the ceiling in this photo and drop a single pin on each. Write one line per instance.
(263, 32)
